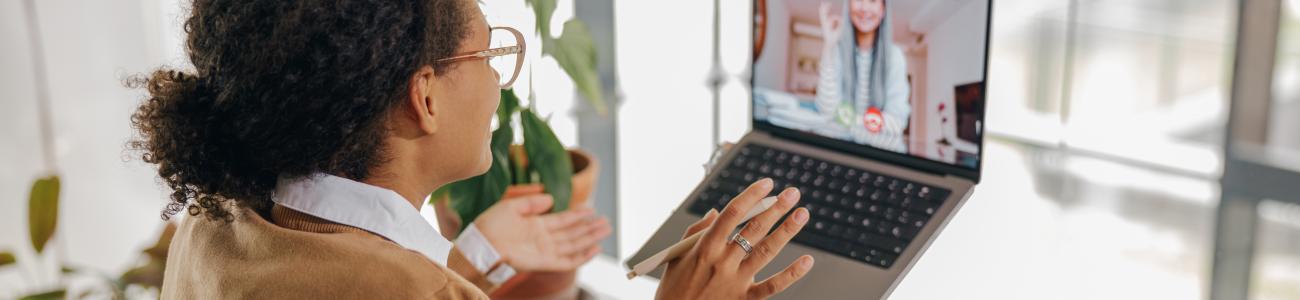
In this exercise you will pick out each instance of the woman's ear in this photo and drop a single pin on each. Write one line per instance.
(421, 100)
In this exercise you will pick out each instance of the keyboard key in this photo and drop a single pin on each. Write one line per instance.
(886, 260)
(824, 212)
(920, 206)
(938, 196)
(877, 196)
(894, 199)
(907, 232)
(864, 178)
(833, 245)
(881, 242)
(849, 234)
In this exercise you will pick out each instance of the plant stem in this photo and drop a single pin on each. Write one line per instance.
(42, 85)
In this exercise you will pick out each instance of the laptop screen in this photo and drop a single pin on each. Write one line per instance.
(904, 76)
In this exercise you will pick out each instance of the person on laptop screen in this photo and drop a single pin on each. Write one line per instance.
(863, 89)
(903, 76)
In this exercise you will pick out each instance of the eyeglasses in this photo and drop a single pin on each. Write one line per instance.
(505, 54)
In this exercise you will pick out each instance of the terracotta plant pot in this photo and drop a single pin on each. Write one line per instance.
(535, 285)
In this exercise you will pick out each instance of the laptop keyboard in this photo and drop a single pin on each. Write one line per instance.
(854, 213)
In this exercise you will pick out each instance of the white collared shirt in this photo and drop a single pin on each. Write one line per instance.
(385, 213)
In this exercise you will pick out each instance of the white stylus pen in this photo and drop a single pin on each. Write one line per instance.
(649, 264)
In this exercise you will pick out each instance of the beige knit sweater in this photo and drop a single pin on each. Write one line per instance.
(298, 256)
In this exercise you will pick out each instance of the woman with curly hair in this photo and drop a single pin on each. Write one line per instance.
(308, 134)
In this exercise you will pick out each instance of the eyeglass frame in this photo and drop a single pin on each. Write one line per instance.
(518, 50)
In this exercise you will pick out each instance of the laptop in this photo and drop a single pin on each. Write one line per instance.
(878, 122)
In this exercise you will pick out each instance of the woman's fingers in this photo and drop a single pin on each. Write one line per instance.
(758, 227)
(570, 247)
(716, 237)
(783, 280)
(702, 224)
(531, 205)
(572, 261)
(766, 250)
(583, 257)
(568, 218)
(587, 236)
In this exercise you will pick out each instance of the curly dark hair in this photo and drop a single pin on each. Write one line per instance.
(284, 89)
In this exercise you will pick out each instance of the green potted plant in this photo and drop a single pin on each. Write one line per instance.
(538, 163)
(144, 278)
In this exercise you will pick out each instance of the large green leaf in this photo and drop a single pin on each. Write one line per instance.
(7, 258)
(440, 193)
(509, 104)
(149, 275)
(43, 211)
(542, 11)
(505, 112)
(576, 54)
(50, 295)
(549, 158)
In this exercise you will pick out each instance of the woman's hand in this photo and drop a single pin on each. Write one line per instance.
(831, 24)
(530, 240)
(718, 268)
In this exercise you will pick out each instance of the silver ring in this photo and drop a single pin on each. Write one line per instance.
(744, 244)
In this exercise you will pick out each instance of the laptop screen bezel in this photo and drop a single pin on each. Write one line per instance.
(869, 152)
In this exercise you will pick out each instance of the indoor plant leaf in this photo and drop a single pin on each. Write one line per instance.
(43, 211)
(7, 258)
(542, 11)
(505, 112)
(549, 158)
(509, 104)
(149, 275)
(440, 193)
(575, 52)
(55, 294)
(160, 248)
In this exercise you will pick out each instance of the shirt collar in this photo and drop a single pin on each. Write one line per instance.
(377, 210)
